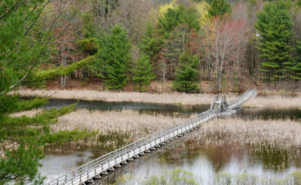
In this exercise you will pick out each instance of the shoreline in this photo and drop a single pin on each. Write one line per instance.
(275, 101)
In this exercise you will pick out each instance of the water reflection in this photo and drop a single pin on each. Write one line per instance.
(269, 113)
(147, 108)
(177, 110)
(204, 161)
(190, 155)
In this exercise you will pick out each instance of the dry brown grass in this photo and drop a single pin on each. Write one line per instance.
(280, 133)
(284, 133)
(274, 101)
(127, 121)
(172, 98)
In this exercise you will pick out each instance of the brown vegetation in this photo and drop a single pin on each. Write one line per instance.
(128, 126)
(280, 133)
(172, 98)
(275, 100)
(128, 121)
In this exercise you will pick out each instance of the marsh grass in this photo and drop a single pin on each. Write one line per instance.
(117, 128)
(278, 138)
(280, 133)
(113, 140)
(170, 98)
(183, 177)
(274, 102)
(251, 179)
(265, 99)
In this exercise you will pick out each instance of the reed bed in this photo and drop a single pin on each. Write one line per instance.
(115, 127)
(182, 177)
(123, 121)
(285, 133)
(274, 102)
(278, 133)
(171, 98)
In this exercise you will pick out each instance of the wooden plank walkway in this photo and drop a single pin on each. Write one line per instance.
(97, 167)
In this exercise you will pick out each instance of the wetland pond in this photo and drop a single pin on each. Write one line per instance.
(208, 164)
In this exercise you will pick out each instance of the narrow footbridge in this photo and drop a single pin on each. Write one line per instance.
(94, 169)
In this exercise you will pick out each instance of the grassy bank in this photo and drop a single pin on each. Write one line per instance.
(172, 98)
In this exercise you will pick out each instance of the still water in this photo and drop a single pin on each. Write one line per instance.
(176, 109)
(205, 162)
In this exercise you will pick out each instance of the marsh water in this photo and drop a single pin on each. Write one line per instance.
(205, 162)
(176, 109)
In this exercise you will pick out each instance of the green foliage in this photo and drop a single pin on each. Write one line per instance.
(150, 44)
(219, 8)
(296, 67)
(173, 17)
(186, 74)
(275, 29)
(37, 75)
(175, 46)
(112, 62)
(113, 140)
(297, 177)
(102, 58)
(89, 45)
(23, 48)
(143, 73)
(21, 163)
(67, 136)
(30, 133)
(88, 29)
(177, 176)
(18, 20)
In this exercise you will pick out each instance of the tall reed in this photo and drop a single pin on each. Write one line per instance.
(170, 98)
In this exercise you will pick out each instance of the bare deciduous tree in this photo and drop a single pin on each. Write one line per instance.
(224, 47)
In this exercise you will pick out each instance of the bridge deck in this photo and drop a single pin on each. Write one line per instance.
(96, 167)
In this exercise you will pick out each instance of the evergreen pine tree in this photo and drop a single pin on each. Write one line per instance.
(102, 57)
(173, 17)
(296, 68)
(113, 58)
(219, 8)
(150, 44)
(169, 20)
(143, 73)
(186, 73)
(191, 17)
(275, 29)
(22, 51)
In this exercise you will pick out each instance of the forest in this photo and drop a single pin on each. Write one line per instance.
(229, 44)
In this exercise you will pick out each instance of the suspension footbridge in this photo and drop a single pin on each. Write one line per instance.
(94, 169)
